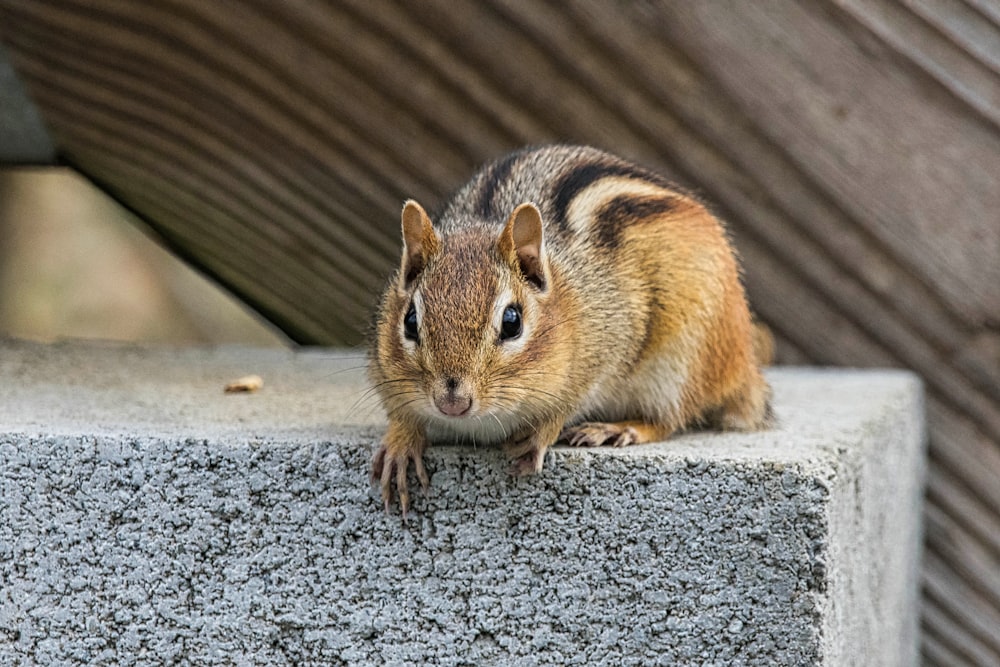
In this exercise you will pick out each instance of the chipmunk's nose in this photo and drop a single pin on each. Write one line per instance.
(455, 400)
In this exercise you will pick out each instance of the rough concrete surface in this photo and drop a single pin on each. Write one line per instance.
(147, 518)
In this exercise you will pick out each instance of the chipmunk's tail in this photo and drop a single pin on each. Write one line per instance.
(763, 344)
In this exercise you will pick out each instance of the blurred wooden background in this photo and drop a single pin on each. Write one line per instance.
(73, 264)
(852, 146)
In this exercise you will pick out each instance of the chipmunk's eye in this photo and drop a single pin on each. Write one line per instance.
(510, 325)
(410, 324)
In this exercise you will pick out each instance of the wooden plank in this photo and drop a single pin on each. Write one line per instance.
(976, 623)
(964, 24)
(941, 626)
(936, 653)
(953, 45)
(967, 557)
(878, 140)
(23, 138)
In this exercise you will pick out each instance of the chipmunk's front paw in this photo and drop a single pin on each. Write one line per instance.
(595, 434)
(393, 463)
(527, 453)
(526, 457)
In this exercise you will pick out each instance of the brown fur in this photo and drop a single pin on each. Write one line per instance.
(633, 316)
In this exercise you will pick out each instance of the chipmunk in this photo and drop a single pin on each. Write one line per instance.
(563, 295)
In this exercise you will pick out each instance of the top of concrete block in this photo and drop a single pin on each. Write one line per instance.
(311, 395)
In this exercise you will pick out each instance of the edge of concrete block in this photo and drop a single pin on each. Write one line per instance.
(259, 507)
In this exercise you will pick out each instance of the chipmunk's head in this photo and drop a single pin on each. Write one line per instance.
(464, 324)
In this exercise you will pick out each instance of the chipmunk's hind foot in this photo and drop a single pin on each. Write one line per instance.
(614, 434)
(748, 409)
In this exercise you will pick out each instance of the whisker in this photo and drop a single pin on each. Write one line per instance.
(344, 370)
(374, 388)
(500, 424)
(396, 409)
(475, 444)
(522, 374)
(533, 390)
(385, 382)
(402, 394)
(337, 357)
(370, 392)
(557, 324)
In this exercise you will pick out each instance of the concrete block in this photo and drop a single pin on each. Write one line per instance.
(147, 518)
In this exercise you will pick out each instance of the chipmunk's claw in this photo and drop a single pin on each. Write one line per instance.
(595, 434)
(388, 467)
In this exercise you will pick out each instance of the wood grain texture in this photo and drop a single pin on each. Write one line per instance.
(853, 148)
(23, 138)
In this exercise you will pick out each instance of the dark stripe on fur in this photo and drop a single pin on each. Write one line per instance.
(492, 180)
(625, 210)
(578, 179)
(656, 301)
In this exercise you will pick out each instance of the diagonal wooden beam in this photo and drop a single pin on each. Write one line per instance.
(23, 137)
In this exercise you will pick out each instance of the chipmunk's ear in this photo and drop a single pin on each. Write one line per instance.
(522, 244)
(420, 242)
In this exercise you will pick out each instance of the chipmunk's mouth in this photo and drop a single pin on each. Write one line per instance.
(478, 425)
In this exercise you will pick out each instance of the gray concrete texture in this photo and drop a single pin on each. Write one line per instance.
(147, 518)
